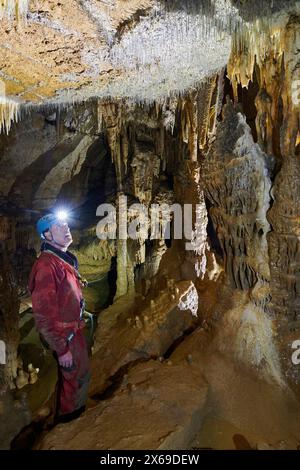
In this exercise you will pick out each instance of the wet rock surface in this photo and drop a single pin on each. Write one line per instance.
(147, 395)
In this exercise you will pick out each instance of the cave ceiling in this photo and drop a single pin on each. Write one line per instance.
(72, 50)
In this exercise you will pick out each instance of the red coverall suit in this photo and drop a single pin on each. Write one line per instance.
(56, 302)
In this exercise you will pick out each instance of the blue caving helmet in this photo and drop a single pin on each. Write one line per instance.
(45, 223)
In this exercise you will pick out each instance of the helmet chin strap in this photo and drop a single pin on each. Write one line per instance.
(54, 241)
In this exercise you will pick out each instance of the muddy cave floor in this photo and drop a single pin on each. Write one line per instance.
(241, 411)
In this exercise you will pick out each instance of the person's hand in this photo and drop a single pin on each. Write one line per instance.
(66, 360)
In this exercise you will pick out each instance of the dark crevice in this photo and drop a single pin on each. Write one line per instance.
(96, 177)
(211, 232)
(112, 282)
(24, 186)
(27, 437)
(130, 23)
(179, 340)
(170, 181)
(247, 96)
(228, 91)
(114, 382)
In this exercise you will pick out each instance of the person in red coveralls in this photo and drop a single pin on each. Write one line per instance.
(58, 306)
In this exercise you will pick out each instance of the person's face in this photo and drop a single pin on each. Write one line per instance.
(60, 233)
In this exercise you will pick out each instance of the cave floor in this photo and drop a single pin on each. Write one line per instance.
(240, 410)
(244, 412)
(237, 411)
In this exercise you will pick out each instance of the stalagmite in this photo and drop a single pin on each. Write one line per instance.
(243, 165)
(21, 379)
(146, 167)
(33, 374)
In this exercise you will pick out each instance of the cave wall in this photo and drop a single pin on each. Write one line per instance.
(245, 158)
(277, 126)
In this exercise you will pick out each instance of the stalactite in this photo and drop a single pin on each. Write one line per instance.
(270, 49)
(9, 112)
(11, 8)
(145, 167)
(124, 147)
(112, 116)
(206, 106)
(184, 122)
(259, 43)
(198, 112)
(216, 95)
(192, 115)
(169, 50)
(168, 45)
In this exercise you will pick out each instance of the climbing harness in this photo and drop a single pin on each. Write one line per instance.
(71, 259)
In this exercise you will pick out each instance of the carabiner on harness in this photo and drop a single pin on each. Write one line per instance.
(70, 337)
(82, 308)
